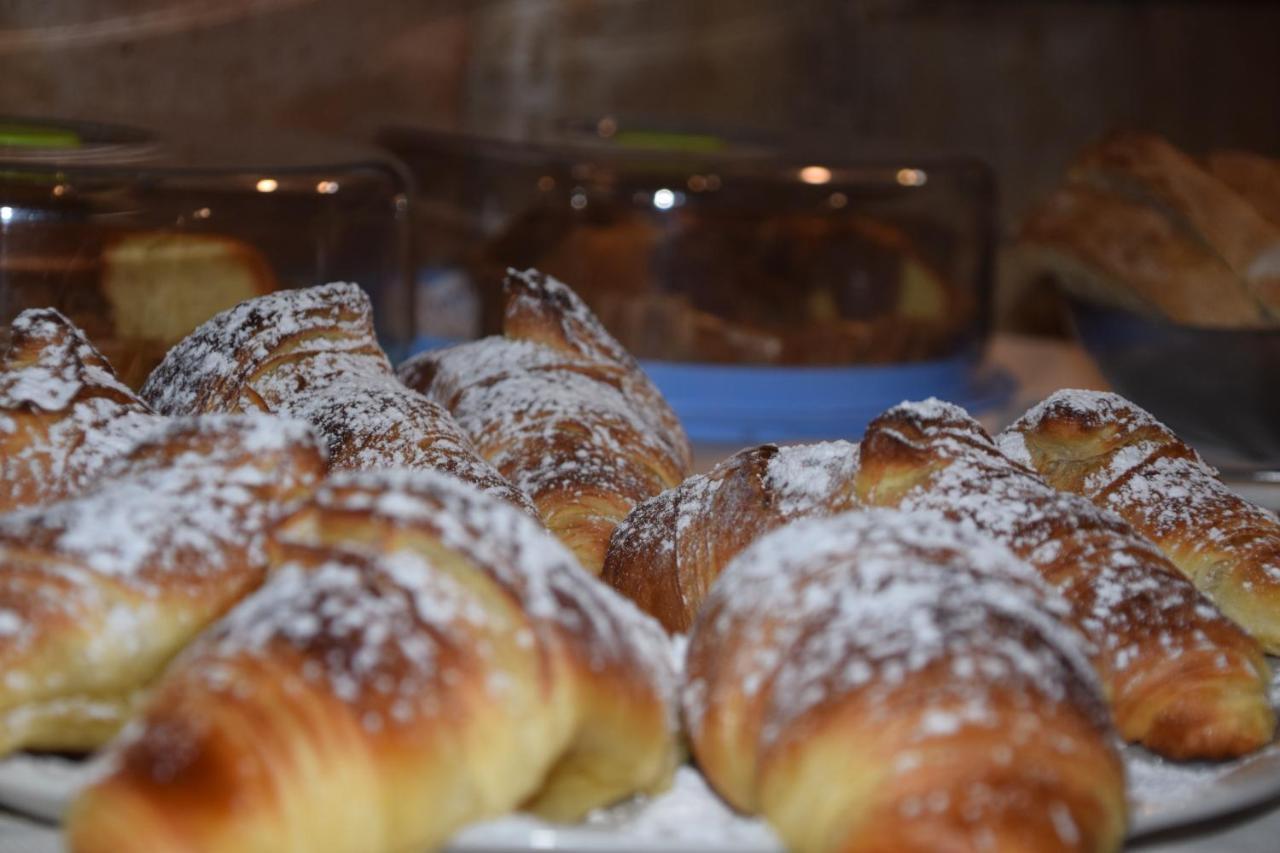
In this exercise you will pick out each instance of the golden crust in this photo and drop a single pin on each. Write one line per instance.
(63, 413)
(313, 354)
(1181, 678)
(1114, 453)
(542, 310)
(1117, 251)
(418, 643)
(852, 680)
(1141, 225)
(1150, 171)
(672, 547)
(99, 591)
(562, 410)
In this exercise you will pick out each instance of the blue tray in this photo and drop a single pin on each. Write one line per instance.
(750, 404)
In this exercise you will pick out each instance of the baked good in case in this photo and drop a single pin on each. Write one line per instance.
(884, 681)
(424, 656)
(562, 410)
(670, 549)
(1181, 678)
(63, 413)
(1143, 226)
(99, 591)
(312, 354)
(1117, 455)
(160, 285)
(1254, 177)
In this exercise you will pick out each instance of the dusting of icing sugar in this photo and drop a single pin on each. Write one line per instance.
(189, 507)
(312, 354)
(173, 533)
(688, 816)
(569, 608)
(207, 371)
(11, 623)
(547, 423)
(63, 411)
(1161, 486)
(360, 627)
(1133, 435)
(855, 603)
(1124, 594)
(65, 364)
(805, 477)
(932, 408)
(1179, 499)
(375, 422)
(1094, 408)
(1014, 446)
(537, 298)
(697, 527)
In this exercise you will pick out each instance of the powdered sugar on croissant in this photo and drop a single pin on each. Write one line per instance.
(63, 412)
(98, 591)
(312, 354)
(420, 643)
(1111, 451)
(1181, 678)
(671, 548)
(881, 680)
(562, 410)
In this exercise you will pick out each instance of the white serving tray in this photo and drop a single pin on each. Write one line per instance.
(1163, 795)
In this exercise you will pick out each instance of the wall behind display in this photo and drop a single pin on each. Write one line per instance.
(1020, 84)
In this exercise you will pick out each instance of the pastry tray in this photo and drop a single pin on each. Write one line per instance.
(1163, 795)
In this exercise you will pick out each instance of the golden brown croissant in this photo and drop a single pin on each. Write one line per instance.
(1115, 453)
(1142, 225)
(424, 656)
(63, 413)
(1149, 170)
(1181, 678)
(560, 408)
(1255, 177)
(99, 591)
(884, 681)
(670, 549)
(312, 354)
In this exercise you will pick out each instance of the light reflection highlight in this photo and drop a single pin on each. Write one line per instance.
(815, 175)
(912, 177)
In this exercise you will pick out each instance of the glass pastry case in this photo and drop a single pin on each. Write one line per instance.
(772, 292)
(139, 235)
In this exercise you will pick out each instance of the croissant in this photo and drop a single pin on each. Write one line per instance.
(312, 354)
(883, 681)
(1142, 226)
(561, 409)
(63, 412)
(1117, 455)
(671, 548)
(1181, 678)
(422, 657)
(99, 591)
